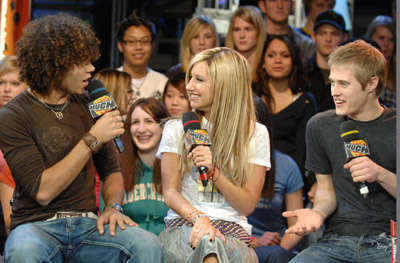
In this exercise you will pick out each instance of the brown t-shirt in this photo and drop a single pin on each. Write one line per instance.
(33, 139)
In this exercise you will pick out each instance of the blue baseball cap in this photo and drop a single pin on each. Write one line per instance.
(330, 17)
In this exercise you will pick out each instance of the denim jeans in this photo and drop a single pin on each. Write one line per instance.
(273, 254)
(77, 240)
(334, 248)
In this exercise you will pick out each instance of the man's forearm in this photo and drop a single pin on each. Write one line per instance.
(58, 177)
(325, 197)
(113, 189)
(325, 202)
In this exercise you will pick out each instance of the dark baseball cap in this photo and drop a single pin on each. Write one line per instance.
(330, 17)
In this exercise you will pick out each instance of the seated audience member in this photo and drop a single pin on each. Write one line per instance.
(328, 32)
(282, 189)
(207, 221)
(277, 23)
(119, 84)
(282, 84)
(312, 9)
(143, 200)
(383, 31)
(175, 96)
(10, 87)
(356, 226)
(136, 38)
(7, 186)
(246, 34)
(51, 144)
(199, 34)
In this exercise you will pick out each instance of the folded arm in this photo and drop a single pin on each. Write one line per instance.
(58, 177)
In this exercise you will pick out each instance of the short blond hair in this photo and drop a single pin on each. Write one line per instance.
(9, 64)
(251, 15)
(365, 60)
(232, 112)
(193, 28)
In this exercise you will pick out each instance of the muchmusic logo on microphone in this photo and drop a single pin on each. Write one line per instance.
(356, 148)
(196, 137)
(101, 105)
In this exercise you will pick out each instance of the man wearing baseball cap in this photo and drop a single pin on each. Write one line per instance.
(329, 31)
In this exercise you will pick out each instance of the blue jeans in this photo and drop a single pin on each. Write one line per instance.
(273, 254)
(77, 240)
(335, 248)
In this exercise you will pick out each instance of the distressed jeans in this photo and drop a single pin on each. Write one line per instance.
(357, 249)
(77, 240)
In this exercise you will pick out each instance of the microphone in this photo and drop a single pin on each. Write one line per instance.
(195, 136)
(354, 147)
(102, 102)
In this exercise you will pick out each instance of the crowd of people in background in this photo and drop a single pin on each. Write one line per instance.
(271, 100)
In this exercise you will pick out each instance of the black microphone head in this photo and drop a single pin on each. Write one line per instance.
(349, 131)
(190, 121)
(96, 89)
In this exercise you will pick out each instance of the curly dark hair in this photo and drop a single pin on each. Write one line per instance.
(298, 79)
(135, 20)
(53, 45)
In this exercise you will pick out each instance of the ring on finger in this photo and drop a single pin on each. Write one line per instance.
(196, 230)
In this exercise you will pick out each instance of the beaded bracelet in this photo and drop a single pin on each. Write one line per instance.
(197, 216)
(192, 213)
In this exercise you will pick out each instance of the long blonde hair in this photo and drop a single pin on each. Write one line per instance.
(251, 15)
(116, 82)
(193, 28)
(232, 118)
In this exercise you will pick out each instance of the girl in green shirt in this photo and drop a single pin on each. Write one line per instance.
(144, 201)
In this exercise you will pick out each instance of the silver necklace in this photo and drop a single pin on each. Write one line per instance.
(58, 114)
(140, 85)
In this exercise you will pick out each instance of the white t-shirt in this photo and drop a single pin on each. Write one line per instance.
(152, 86)
(211, 203)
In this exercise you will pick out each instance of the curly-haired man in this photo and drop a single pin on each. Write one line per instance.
(47, 139)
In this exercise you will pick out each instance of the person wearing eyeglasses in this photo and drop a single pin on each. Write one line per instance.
(136, 37)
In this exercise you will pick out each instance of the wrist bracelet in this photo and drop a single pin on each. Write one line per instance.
(192, 213)
(92, 142)
(212, 178)
(116, 206)
(197, 216)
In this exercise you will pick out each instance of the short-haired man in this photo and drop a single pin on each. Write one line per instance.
(313, 8)
(276, 23)
(329, 30)
(50, 143)
(357, 228)
(136, 38)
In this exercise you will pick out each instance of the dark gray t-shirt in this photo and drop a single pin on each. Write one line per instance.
(33, 139)
(354, 216)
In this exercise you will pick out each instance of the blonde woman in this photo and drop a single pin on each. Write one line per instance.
(246, 34)
(119, 84)
(199, 34)
(208, 224)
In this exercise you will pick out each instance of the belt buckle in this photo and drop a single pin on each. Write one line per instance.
(68, 214)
